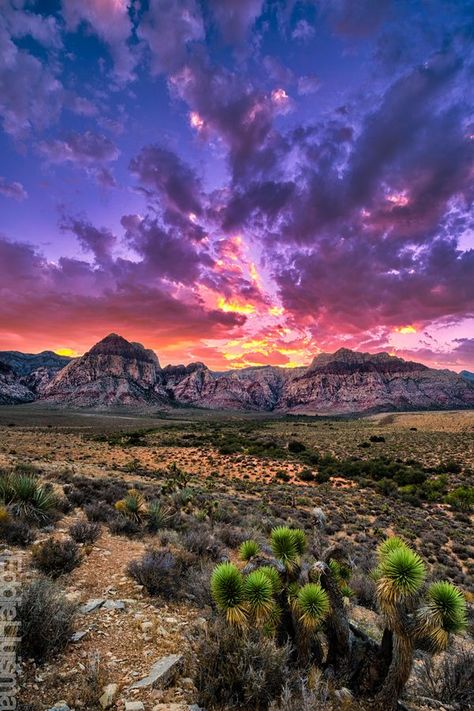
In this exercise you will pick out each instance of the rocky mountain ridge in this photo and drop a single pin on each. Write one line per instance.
(117, 373)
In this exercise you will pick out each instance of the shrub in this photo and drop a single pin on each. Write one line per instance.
(84, 532)
(132, 505)
(240, 670)
(121, 525)
(14, 532)
(98, 511)
(306, 475)
(452, 681)
(203, 544)
(158, 517)
(46, 618)
(160, 572)
(462, 498)
(295, 447)
(56, 557)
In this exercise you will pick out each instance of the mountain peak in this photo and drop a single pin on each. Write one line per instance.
(113, 344)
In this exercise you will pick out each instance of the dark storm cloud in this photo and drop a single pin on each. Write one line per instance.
(168, 179)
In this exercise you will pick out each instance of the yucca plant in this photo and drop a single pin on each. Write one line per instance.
(248, 550)
(411, 617)
(312, 605)
(158, 516)
(227, 588)
(26, 497)
(288, 545)
(132, 505)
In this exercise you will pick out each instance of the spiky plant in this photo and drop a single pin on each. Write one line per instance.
(273, 576)
(158, 516)
(312, 605)
(26, 497)
(286, 546)
(132, 505)
(443, 613)
(400, 575)
(258, 593)
(227, 588)
(248, 550)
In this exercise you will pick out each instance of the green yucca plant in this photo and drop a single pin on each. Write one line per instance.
(400, 574)
(132, 505)
(273, 576)
(288, 545)
(248, 550)
(258, 593)
(443, 613)
(312, 605)
(227, 588)
(26, 497)
(158, 516)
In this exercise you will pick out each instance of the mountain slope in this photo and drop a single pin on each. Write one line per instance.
(116, 372)
(12, 391)
(26, 363)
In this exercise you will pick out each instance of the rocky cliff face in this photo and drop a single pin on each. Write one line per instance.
(12, 391)
(115, 373)
(26, 363)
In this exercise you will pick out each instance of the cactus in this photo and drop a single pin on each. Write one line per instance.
(292, 600)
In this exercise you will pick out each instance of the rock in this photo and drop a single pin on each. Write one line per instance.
(113, 605)
(108, 697)
(187, 683)
(161, 672)
(77, 636)
(134, 706)
(146, 626)
(60, 706)
(91, 605)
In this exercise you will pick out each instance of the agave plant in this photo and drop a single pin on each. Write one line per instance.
(248, 550)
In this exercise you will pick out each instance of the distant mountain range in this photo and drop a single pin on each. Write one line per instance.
(116, 373)
(467, 375)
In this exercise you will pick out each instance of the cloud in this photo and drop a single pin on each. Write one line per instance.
(235, 18)
(84, 149)
(169, 27)
(166, 178)
(110, 20)
(31, 96)
(75, 302)
(13, 190)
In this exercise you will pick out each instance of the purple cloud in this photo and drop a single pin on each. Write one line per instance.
(13, 190)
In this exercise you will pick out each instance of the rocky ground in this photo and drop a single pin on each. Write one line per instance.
(121, 632)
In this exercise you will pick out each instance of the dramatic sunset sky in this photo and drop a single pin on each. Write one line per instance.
(238, 181)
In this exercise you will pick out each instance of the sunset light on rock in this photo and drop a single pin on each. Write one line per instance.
(238, 183)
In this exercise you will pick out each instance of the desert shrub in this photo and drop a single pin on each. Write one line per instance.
(364, 590)
(161, 572)
(376, 438)
(239, 670)
(306, 475)
(84, 532)
(231, 536)
(322, 477)
(99, 511)
(121, 525)
(46, 618)
(451, 681)
(203, 544)
(248, 549)
(295, 446)
(132, 506)
(462, 498)
(14, 531)
(55, 557)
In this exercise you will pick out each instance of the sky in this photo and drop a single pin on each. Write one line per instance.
(239, 182)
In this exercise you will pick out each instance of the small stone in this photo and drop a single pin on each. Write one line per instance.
(77, 636)
(108, 697)
(146, 626)
(60, 706)
(187, 683)
(91, 605)
(134, 706)
(113, 605)
(161, 672)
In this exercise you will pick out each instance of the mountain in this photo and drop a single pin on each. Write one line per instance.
(117, 373)
(12, 391)
(114, 372)
(26, 363)
(467, 375)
